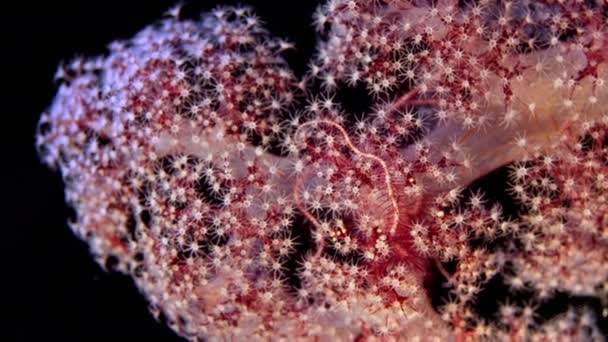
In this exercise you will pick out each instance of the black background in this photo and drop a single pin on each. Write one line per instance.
(53, 289)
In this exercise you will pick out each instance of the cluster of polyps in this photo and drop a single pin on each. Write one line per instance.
(564, 190)
(238, 215)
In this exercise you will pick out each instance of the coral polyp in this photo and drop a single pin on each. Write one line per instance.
(247, 203)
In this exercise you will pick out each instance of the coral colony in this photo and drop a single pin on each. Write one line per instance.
(248, 203)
